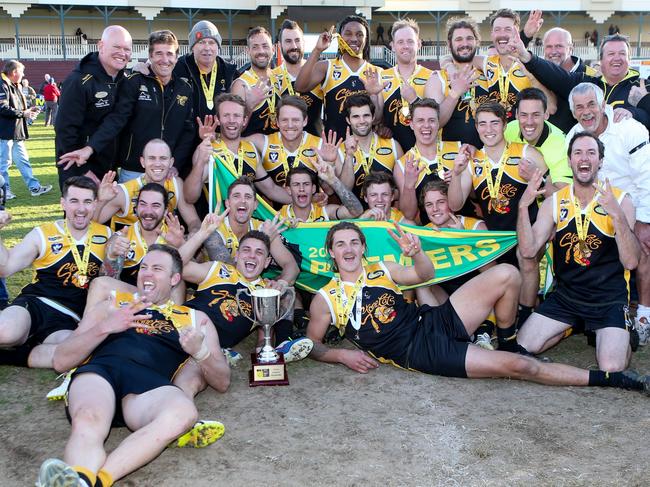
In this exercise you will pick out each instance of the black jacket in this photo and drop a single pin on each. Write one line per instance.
(186, 68)
(88, 96)
(13, 126)
(561, 82)
(563, 118)
(144, 110)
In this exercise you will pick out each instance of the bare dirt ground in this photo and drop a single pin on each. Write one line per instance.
(334, 427)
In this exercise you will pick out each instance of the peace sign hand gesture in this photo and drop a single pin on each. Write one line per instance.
(408, 243)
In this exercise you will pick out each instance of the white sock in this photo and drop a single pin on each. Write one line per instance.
(643, 311)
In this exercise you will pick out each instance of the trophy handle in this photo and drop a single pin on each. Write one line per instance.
(287, 302)
(247, 292)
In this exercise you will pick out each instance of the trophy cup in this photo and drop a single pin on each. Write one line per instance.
(269, 307)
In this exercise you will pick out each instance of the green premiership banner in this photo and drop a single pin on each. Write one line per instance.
(453, 252)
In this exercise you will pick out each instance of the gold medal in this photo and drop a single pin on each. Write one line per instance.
(209, 104)
(82, 280)
(583, 248)
(406, 112)
(80, 262)
(208, 91)
(441, 174)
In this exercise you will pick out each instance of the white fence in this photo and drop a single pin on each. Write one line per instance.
(50, 47)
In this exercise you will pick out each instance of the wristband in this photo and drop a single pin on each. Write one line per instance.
(202, 354)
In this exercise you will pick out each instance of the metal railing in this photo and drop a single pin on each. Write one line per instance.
(50, 47)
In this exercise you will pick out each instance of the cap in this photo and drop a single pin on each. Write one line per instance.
(202, 30)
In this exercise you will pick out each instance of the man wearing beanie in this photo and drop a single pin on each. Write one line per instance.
(209, 74)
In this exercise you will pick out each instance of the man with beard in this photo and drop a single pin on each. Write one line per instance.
(350, 73)
(302, 184)
(590, 224)
(407, 81)
(257, 86)
(532, 127)
(292, 47)
(429, 159)
(117, 202)
(154, 226)
(365, 150)
(88, 96)
(625, 164)
(498, 176)
(238, 154)
(292, 147)
(617, 78)
(66, 255)
(454, 87)
(148, 106)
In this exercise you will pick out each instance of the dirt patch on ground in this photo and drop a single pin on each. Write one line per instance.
(334, 427)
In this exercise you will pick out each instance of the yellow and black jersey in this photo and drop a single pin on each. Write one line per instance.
(395, 215)
(229, 238)
(262, 120)
(244, 163)
(130, 189)
(394, 118)
(316, 213)
(340, 83)
(461, 126)
(500, 85)
(468, 222)
(155, 344)
(278, 161)
(446, 153)
(137, 250)
(387, 321)
(591, 272)
(285, 82)
(380, 157)
(55, 271)
(500, 214)
(216, 296)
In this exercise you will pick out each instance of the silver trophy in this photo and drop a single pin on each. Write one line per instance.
(269, 307)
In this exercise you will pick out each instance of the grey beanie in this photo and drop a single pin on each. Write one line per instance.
(202, 30)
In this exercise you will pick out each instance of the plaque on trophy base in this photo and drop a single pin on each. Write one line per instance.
(268, 374)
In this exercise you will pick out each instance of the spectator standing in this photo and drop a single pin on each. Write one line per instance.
(51, 94)
(14, 115)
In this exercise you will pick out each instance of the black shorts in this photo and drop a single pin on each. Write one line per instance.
(584, 316)
(45, 319)
(125, 377)
(440, 342)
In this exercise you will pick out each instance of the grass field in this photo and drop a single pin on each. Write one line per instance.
(28, 211)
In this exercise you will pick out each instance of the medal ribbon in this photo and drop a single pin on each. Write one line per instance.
(209, 92)
(427, 168)
(366, 163)
(159, 239)
(344, 304)
(166, 310)
(286, 78)
(410, 82)
(504, 85)
(230, 157)
(284, 158)
(345, 47)
(495, 185)
(582, 222)
(81, 263)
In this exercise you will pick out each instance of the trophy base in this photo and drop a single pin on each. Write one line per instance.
(268, 374)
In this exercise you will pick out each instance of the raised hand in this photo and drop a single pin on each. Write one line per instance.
(533, 189)
(208, 127)
(455, 222)
(637, 92)
(621, 114)
(212, 221)
(328, 150)
(412, 170)
(350, 143)
(273, 228)
(175, 234)
(259, 92)
(320, 198)
(376, 214)
(526, 168)
(192, 340)
(462, 80)
(408, 243)
(78, 157)
(324, 40)
(406, 90)
(461, 161)
(122, 318)
(325, 170)
(608, 201)
(518, 49)
(203, 151)
(107, 187)
(371, 80)
(534, 23)
(117, 246)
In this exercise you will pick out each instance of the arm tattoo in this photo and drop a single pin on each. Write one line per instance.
(347, 197)
(112, 267)
(217, 250)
